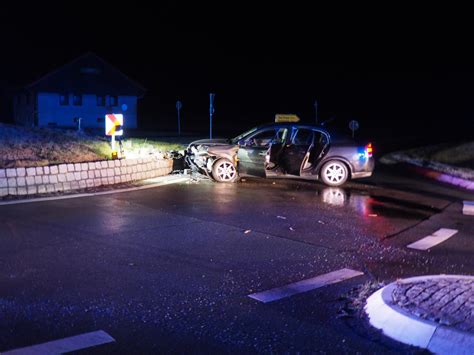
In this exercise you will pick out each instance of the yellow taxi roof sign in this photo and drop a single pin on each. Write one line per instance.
(286, 118)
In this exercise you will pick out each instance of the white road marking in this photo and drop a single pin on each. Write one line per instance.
(305, 285)
(436, 238)
(65, 345)
(468, 208)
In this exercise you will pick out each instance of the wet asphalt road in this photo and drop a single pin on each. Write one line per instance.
(170, 269)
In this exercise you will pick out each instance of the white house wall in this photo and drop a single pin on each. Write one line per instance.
(50, 111)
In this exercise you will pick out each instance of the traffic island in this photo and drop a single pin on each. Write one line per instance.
(431, 312)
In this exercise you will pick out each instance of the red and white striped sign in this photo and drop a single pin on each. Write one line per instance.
(114, 124)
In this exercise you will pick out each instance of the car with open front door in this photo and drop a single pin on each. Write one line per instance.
(282, 149)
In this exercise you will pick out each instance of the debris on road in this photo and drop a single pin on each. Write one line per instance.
(281, 217)
(247, 231)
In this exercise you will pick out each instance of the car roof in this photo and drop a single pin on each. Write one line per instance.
(334, 136)
(292, 124)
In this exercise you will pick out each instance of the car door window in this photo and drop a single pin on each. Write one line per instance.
(320, 138)
(280, 136)
(320, 143)
(263, 139)
(303, 137)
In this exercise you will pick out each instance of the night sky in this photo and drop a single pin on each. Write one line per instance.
(398, 71)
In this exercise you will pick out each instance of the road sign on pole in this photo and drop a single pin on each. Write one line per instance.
(211, 112)
(353, 126)
(179, 105)
(113, 126)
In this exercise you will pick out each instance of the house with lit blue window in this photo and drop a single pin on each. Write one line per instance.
(87, 88)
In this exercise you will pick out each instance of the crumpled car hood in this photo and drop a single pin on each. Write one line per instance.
(217, 147)
(211, 142)
(224, 150)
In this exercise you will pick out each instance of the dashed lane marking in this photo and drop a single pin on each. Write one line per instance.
(65, 345)
(436, 238)
(468, 208)
(305, 285)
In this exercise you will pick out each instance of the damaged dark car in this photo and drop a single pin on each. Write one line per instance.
(288, 150)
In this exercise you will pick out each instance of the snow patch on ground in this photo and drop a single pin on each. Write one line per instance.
(455, 160)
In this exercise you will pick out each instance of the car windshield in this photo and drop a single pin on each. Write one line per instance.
(243, 135)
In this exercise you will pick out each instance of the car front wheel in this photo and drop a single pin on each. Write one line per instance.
(334, 173)
(224, 170)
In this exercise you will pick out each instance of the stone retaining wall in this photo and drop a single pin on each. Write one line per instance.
(64, 177)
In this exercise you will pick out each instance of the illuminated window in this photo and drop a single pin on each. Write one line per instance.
(113, 100)
(64, 99)
(100, 100)
(77, 100)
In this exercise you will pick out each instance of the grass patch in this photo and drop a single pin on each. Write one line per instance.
(27, 147)
(143, 144)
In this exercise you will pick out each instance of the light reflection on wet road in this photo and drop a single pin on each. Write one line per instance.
(177, 262)
(254, 203)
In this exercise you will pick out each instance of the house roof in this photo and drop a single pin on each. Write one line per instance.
(88, 74)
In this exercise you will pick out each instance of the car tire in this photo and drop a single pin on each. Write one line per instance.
(223, 170)
(334, 173)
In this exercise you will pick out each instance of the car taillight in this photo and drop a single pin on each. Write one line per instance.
(369, 150)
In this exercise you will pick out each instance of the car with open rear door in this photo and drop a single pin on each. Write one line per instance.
(285, 149)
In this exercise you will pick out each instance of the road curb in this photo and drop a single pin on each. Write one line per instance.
(400, 325)
(150, 185)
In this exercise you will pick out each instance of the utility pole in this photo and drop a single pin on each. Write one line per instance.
(211, 112)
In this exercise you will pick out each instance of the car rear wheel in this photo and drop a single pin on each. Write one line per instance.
(334, 173)
(224, 170)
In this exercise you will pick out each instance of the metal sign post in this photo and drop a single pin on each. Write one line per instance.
(179, 105)
(316, 110)
(79, 123)
(211, 112)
